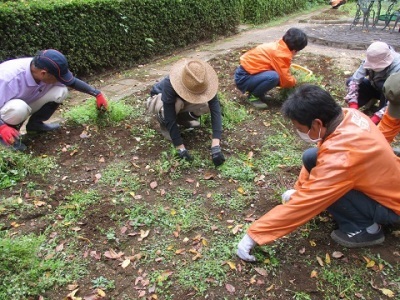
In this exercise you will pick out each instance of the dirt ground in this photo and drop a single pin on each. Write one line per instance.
(78, 171)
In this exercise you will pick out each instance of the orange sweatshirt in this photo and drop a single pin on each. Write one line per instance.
(270, 56)
(389, 126)
(355, 156)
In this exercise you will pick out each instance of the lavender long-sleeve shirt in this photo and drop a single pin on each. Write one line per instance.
(16, 82)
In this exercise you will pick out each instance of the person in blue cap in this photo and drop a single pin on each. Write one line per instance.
(35, 87)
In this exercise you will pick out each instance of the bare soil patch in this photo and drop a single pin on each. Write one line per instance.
(78, 166)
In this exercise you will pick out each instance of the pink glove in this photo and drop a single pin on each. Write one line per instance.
(375, 119)
(8, 134)
(353, 105)
(352, 93)
(101, 101)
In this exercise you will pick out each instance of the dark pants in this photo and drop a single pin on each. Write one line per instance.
(366, 92)
(256, 84)
(355, 210)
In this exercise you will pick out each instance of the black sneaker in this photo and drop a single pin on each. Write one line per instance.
(41, 127)
(358, 239)
(257, 102)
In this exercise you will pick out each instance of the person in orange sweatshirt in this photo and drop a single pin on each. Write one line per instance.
(268, 66)
(390, 123)
(352, 173)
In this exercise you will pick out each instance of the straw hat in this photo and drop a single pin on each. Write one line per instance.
(194, 80)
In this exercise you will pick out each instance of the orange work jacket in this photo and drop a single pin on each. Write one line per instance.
(355, 156)
(270, 56)
(389, 126)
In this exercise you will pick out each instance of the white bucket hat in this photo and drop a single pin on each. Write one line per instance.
(379, 56)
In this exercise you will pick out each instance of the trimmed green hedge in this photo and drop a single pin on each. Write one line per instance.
(101, 34)
(263, 11)
(98, 35)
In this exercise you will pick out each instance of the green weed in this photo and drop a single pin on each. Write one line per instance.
(24, 272)
(238, 169)
(88, 114)
(232, 112)
(103, 283)
(119, 175)
(75, 205)
(15, 166)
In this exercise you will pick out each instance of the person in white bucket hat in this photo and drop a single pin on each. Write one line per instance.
(366, 83)
(189, 91)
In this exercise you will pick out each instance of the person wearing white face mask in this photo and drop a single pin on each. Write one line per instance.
(366, 83)
(352, 173)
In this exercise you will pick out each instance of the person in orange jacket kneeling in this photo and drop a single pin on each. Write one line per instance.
(352, 173)
(390, 123)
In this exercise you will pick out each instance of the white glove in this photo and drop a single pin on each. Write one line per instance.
(244, 248)
(286, 196)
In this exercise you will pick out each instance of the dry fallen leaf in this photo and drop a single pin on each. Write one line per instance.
(60, 247)
(125, 263)
(261, 271)
(71, 296)
(270, 288)
(231, 265)
(387, 292)
(327, 259)
(241, 191)
(319, 259)
(237, 228)
(314, 274)
(337, 254)
(230, 288)
(113, 255)
(143, 234)
(396, 233)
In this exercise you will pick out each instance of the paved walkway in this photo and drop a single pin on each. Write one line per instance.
(328, 37)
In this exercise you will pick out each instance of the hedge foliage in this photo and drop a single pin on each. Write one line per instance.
(98, 35)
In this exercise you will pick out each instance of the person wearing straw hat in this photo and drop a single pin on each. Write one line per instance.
(366, 83)
(390, 123)
(34, 87)
(352, 173)
(189, 91)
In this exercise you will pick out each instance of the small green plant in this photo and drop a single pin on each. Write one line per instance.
(110, 235)
(232, 112)
(14, 166)
(238, 169)
(76, 204)
(120, 175)
(88, 114)
(24, 272)
(140, 215)
(103, 283)
(301, 77)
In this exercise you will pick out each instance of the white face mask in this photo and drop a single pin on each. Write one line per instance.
(305, 137)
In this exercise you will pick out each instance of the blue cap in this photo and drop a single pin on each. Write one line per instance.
(56, 64)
